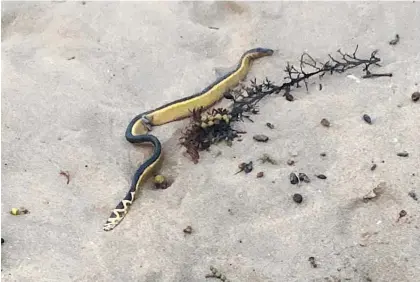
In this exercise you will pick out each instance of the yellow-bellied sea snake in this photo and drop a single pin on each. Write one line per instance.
(137, 130)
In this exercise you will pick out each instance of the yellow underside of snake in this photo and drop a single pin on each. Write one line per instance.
(137, 130)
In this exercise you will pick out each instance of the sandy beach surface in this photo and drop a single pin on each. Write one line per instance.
(75, 73)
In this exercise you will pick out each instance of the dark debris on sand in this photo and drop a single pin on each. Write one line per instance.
(205, 129)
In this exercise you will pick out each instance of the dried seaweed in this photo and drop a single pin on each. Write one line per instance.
(245, 100)
(207, 128)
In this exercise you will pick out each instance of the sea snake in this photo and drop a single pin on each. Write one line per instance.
(138, 128)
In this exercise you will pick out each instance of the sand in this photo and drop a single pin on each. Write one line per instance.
(73, 76)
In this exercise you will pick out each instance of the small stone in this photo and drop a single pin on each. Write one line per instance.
(403, 213)
(2, 240)
(260, 174)
(290, 162)
(297, 198)
(293, 178)
(415, 96)
(323, 154)
(188, 230)
(270, 125)
(413, 195)
(402, 154)
(321, 176)
(303, 177)
(373, 167)
(325, 122)
(312, 261)
(367, 118)
(260, 138)
(248, 167)
(289, 97)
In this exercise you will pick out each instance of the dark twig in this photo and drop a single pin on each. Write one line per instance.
(245, 100)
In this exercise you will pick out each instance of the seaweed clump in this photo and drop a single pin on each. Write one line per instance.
(207, 128)
(203, 130)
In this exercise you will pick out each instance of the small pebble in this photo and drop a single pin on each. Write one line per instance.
(323, 154)
(269, 125)
(290, 162)
(188, 230)
(312, 261)
(321, 176)
(260, 174)
(2, 240)
(248, 167)
(303, 177)
(373, 167)
(297, 198)
(367, 118)
(402, 154)
(289, 97)
(260, 138)
(325, 122)
(413, 195)
(293, 178)
(403, 213)
(415, 96)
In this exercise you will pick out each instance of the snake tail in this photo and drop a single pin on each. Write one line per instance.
(140, 176)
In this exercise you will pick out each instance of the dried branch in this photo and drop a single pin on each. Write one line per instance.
(202, 132)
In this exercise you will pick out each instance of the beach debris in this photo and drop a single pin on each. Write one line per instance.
(395, 40)
(293, 178)
(246, 167)
(66, 174)
(260, 174)
(213, 27)
(265, 158)
(325, 122)
(228, 95)
(413, 195)
(207, 128)
(188, 230)
(375, 192)
(289, 97)
(269, 125)
(303, 177)
(19, 211)
(415, 96)
(320, 87)
(367, 118)
(260, 138)
(312, 261)
(215, 273)
(290, 162)
(160, 182)
(321, 176)
(297, 198)
(401, 214)
(2, 241)
(373, 167)
(323, 154)
(71, 58)
(402, 154)
(373, 75)
(247, 98)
